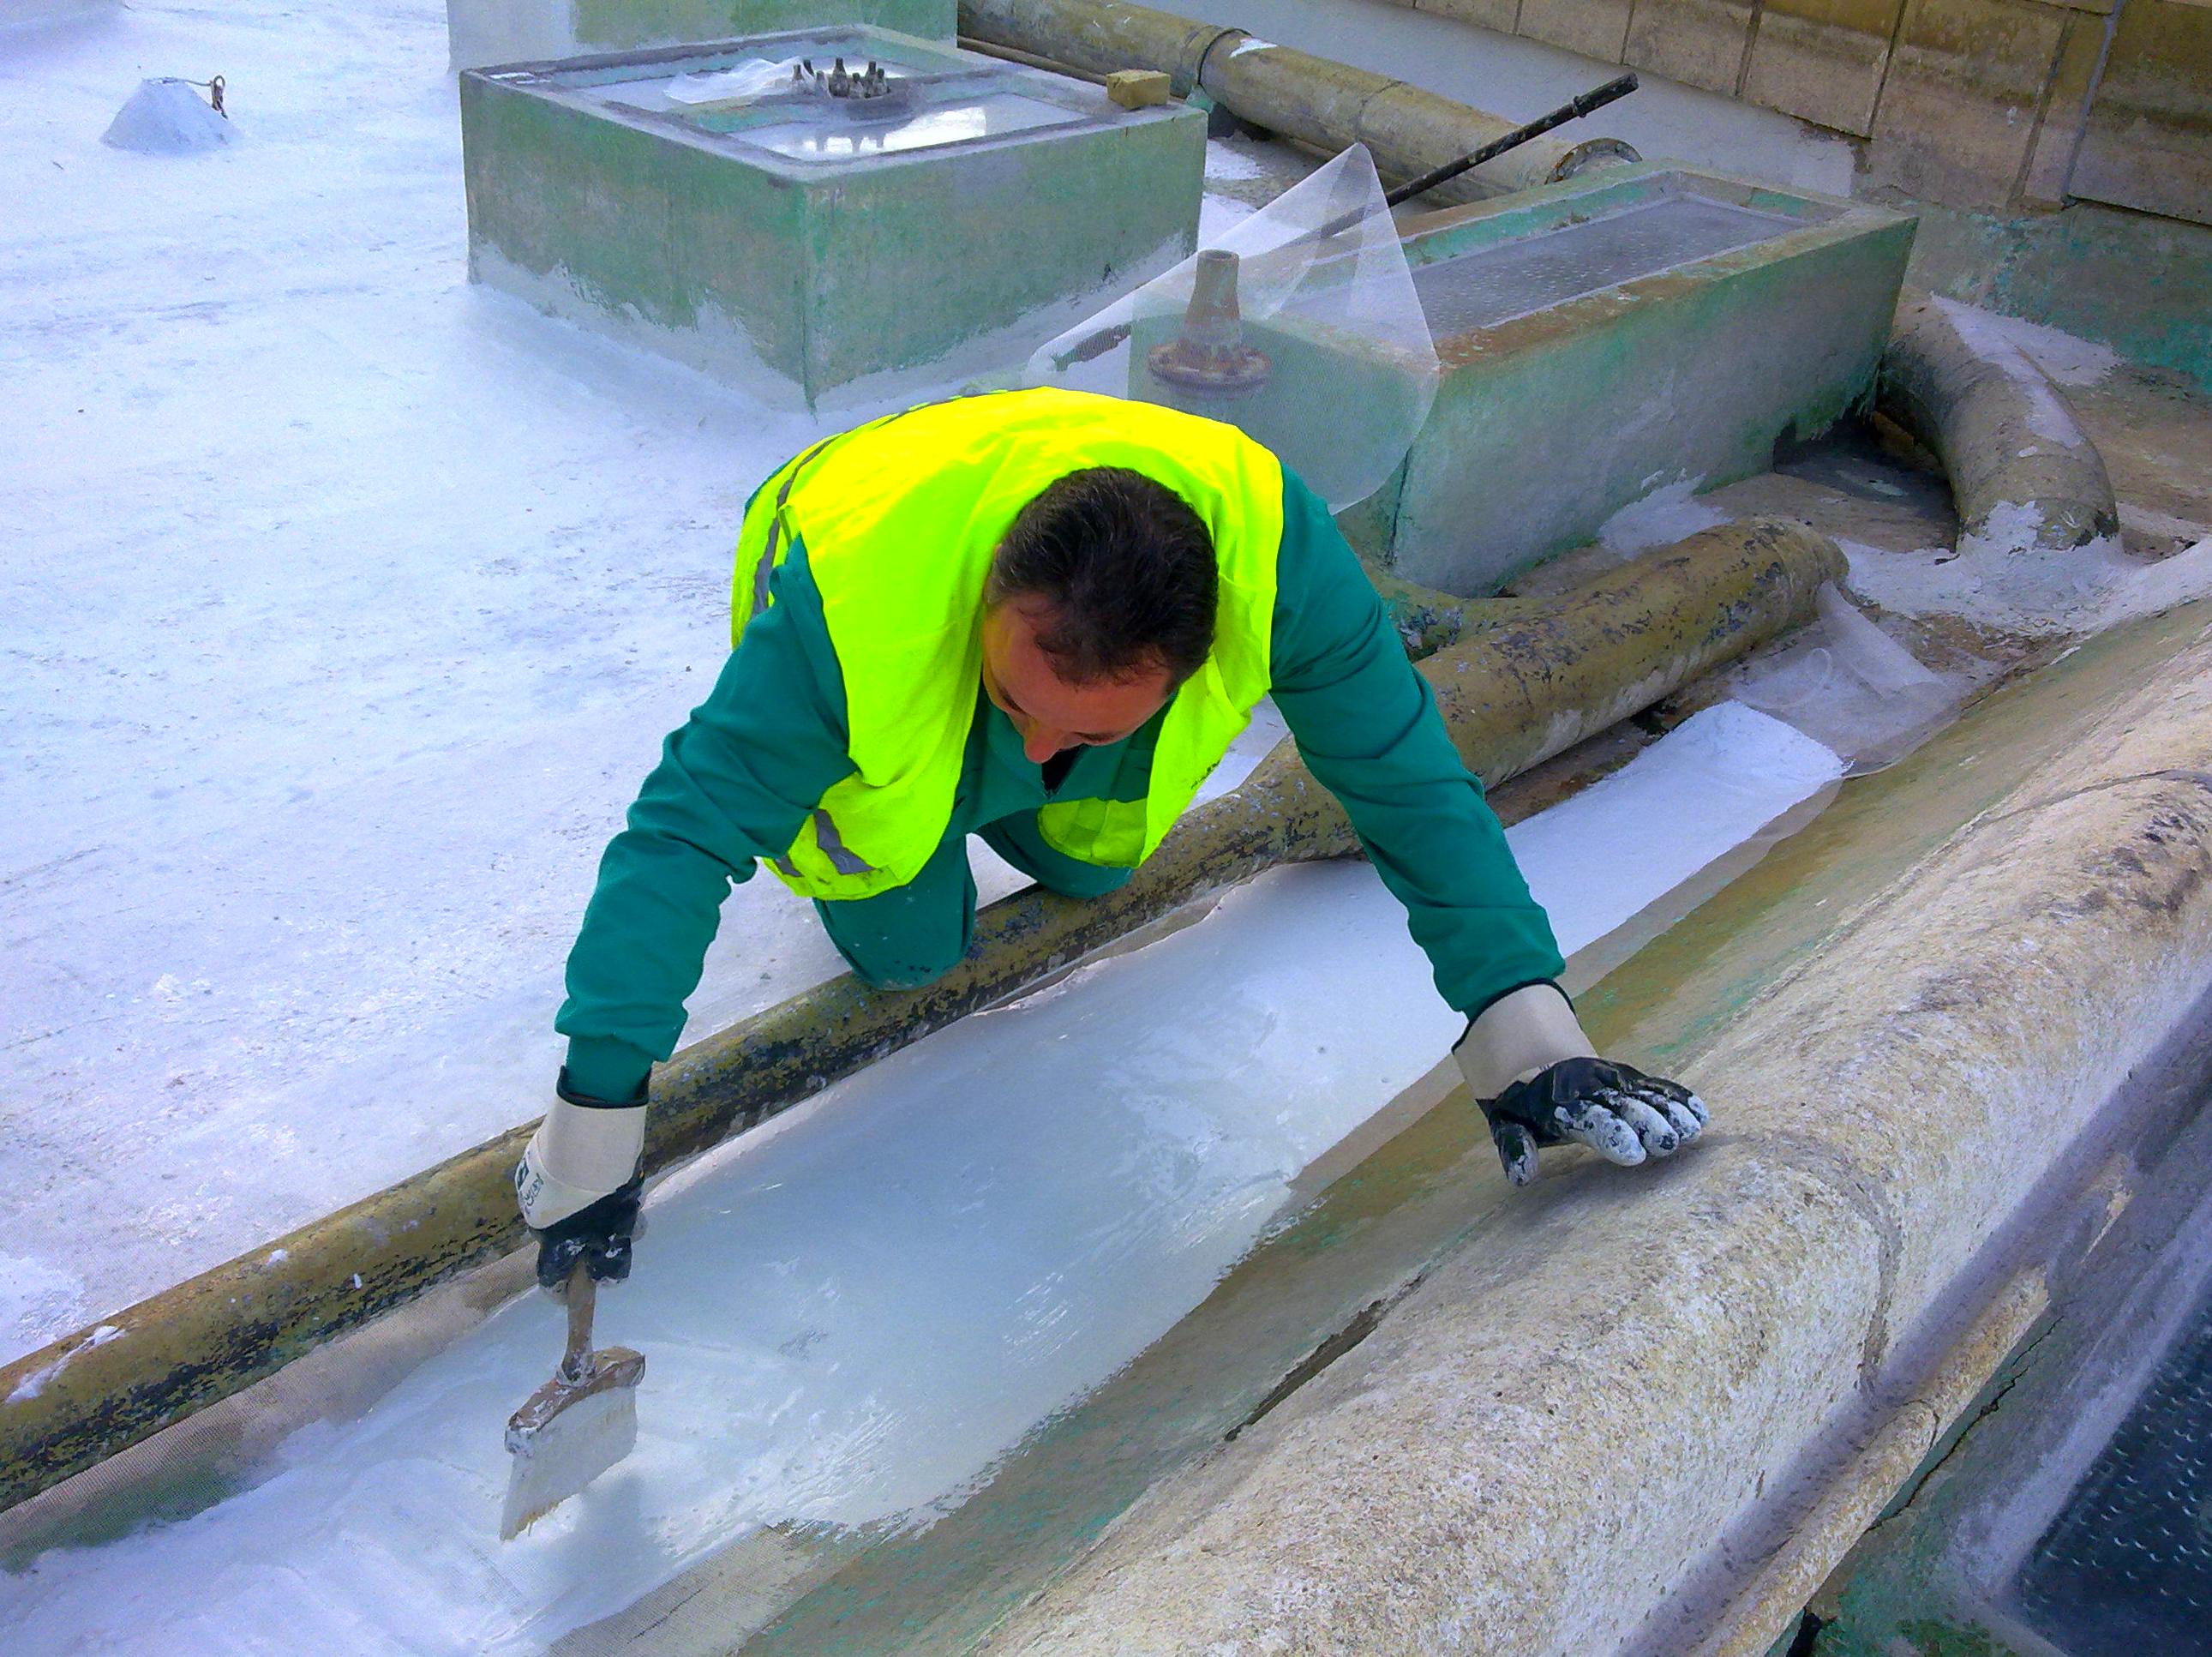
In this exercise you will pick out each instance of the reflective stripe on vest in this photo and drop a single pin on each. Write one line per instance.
(900, 519)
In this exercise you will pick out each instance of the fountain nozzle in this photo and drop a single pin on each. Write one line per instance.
(1210, 355)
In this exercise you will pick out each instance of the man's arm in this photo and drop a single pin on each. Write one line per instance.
(733, 785)
(1368, 728)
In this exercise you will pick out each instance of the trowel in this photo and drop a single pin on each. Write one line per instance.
(577, 1425)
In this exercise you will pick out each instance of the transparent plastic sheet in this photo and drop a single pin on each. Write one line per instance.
(1852, 688)
(1348, 370)
(747, 81)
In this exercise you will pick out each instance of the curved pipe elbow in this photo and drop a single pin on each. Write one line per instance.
(2021, 466)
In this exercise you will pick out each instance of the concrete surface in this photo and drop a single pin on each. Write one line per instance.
(2146, 137)
(1989, 105)
(1522, 78)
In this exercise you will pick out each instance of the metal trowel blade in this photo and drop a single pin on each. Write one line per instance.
(567, 1435)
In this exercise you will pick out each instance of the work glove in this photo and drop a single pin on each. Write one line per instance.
(1540, 1082)
(578, 1184)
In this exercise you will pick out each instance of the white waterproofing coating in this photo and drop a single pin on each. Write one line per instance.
(1668, 514)
(25, 16)
(1852, 688)
(2002, 579)
(852, 1316)
(1335, 315)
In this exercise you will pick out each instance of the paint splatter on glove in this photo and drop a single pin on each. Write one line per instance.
(1616, 1110)
(1540, 1082)
(600, 1235)
(578, 1184)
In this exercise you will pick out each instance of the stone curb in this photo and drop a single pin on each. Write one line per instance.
(1539, 1445)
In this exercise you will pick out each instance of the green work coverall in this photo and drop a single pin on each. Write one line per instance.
(735, 782)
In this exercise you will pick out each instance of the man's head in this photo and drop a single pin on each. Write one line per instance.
(1100, 603)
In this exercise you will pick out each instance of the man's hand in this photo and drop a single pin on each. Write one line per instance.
(578, 1185)
(1540, 1082)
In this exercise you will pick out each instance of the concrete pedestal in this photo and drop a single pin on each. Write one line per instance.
(794, 243)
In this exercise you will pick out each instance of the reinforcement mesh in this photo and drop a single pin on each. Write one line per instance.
(1350, 370)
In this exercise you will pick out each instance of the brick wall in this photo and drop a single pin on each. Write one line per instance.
(1992, 105)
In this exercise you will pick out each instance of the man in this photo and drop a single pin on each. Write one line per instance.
(1041, 617)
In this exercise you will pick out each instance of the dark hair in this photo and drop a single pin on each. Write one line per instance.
(1126, 565)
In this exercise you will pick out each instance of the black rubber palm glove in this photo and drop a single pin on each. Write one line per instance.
(1540, 1082)
(578, 1183)
(598, 1235)
(1616, 1110)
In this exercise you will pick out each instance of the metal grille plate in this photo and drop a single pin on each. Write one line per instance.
(2126, 1569)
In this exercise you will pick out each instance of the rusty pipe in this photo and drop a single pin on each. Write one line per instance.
(1315, 101)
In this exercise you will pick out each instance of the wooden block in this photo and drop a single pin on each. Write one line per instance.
(1700, 43)
(1823, 60)
(1597, 28)
(1137, 88)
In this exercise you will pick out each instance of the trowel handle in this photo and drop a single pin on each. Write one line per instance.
(582, 1293)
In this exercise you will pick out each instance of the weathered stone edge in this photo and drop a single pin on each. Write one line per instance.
(1538, 1447)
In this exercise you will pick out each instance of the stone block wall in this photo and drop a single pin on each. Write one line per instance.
(1993, 105)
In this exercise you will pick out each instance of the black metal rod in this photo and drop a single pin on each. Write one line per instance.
(1596, 98)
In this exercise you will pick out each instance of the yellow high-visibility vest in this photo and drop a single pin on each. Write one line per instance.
(901, 518)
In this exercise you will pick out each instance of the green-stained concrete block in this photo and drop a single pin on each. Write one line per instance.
(1328, 395)
(1605, 338)
(2137, 283)
(795, 243)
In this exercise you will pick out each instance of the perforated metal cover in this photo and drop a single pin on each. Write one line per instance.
(2126, 1569)
(1491, 285)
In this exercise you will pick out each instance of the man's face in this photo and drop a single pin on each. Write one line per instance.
(1050, 713)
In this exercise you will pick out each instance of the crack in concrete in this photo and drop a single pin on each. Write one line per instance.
(1863, 1191)
(2200, 779)
(2010, 1374)
(1362, 1324)
(649, 1627)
